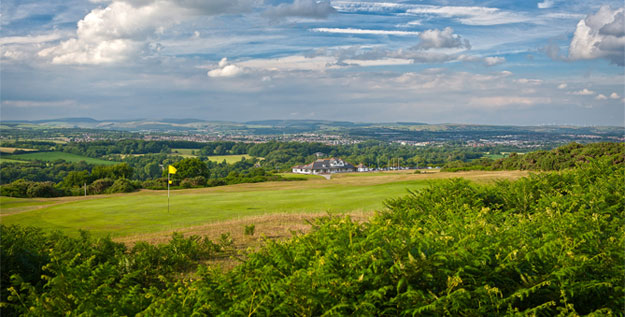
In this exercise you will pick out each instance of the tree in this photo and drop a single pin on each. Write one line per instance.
(191, 167)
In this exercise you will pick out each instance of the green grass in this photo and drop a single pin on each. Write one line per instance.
(494, 156)
(184, 152)
(11, 202)
(53, 156)
(9, 205)
(146, 212)
(4, 160)
(230, 159)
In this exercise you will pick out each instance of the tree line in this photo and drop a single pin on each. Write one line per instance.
(563, 157)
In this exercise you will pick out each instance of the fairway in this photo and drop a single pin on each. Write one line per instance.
(53, 156)
(146, 211)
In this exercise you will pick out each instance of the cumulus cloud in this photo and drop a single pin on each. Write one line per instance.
(545, 4)
(126, 28)
(445, 38)
(583, 92)
(301, 8)
(600, 35)
(562, 86)
(225, 69)
(614, 96)
(494, 60)
(601, 97)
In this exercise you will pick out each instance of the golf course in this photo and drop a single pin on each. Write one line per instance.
(146, 211)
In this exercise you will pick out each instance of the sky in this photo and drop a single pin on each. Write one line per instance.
(480, 62)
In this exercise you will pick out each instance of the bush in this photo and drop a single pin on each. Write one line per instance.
(23, 188)
(249, 230)
(159, 183)
(99, 186)
(122, 185)
(43, 189)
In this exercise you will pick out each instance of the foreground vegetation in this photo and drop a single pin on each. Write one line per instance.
(552, 243)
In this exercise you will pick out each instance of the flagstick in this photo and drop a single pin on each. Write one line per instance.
(167, 191)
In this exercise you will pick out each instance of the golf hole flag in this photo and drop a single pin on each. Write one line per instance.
(172, 170)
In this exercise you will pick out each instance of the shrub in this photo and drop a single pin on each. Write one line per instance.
(99, 186)
(159, 183)
(122, 185)
(43, 189)
(249, 229)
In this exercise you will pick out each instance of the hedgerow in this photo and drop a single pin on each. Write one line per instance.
(548, 244)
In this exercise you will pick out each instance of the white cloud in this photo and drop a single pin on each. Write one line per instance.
(545, 4)
(302, 8)
(38, 104)
(362, 31)
(128, 28)
(445, 38)
(506, 101)
(291, 63)
(411, 23)
(527, 81)
(494, 60)
(30, 39)
(601, 97)
(600, 35)
(562, 86)
(471, 15)
(225, 69)
(614, 96)
(583, 92)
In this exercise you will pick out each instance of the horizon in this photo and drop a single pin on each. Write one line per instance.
(168, 120)
(502, 63)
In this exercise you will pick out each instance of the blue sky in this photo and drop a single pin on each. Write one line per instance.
(484, 62)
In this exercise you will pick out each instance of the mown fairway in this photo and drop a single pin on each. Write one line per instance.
(146, 211)
(53, 156)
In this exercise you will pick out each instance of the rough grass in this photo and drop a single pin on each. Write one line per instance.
(4, 149)
(53, 156)
(3, 160)
(145, 212)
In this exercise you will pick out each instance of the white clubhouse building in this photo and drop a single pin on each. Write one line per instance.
(325, 166)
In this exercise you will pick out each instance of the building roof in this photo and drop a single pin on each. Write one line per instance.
(326, 164)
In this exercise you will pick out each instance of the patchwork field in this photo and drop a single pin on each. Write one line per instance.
(145, 212)
(53, 156)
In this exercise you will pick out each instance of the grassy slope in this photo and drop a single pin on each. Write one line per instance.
(53, 156)
(146, 211)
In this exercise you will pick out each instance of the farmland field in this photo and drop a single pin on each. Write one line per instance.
(230, 159)
(9, 150)
(184, 152)
(146, 211)
(53, 156)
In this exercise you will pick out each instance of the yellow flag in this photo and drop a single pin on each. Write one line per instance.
(172, 170)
